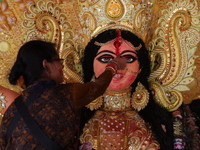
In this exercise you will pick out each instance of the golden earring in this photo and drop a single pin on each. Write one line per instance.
(140, 97)
(95, 104)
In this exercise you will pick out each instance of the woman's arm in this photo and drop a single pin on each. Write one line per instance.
(83, 94)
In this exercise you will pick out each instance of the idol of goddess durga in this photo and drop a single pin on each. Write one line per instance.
(117, 123)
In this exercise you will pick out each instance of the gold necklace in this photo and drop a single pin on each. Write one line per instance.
(117, 100)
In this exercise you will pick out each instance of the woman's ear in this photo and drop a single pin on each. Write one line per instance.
(45, 64)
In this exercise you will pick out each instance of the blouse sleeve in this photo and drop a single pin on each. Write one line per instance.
(83, 94)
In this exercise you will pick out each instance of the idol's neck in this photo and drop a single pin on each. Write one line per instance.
(117, 100)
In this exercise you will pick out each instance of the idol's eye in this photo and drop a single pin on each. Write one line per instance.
(105, 58)
(130, 58)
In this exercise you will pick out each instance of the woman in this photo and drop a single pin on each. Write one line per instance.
(127, 117)
(46, 115)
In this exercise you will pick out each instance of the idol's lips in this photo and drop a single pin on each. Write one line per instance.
(118, 76)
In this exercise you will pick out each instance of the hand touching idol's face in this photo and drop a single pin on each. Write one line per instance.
(123, 78)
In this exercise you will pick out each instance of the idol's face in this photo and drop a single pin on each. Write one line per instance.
(123, 78)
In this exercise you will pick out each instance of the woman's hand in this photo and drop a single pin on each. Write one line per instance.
(120, 62)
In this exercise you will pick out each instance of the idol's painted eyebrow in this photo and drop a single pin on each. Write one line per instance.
(105, 51)
(129, 51)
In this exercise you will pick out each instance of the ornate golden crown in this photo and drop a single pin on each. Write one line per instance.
(169, 28)
(100, 15)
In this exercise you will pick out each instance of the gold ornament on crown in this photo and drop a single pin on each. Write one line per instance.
(116, 14)
(169, 28)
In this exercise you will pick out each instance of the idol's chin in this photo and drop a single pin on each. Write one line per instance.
(115, 88)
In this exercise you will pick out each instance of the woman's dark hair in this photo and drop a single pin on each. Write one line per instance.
(153, 113)
(29, 61)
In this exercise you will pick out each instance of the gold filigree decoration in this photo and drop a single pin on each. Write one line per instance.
(69, 66)
(46, 21)
(171, 65)
(171, 99)
(7, 17)
(114, 9)
(140, 97)
(136, 16)
(117, 100)
(95, 104)
(173, 52)
(112, 100)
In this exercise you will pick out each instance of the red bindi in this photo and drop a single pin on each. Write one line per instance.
(118, 41)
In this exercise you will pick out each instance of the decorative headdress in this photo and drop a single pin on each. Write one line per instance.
(98, 16)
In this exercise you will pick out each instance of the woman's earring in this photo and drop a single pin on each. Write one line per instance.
(140, 97)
